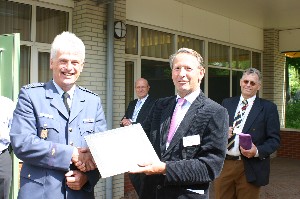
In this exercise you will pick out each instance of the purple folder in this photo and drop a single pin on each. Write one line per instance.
(245, 141)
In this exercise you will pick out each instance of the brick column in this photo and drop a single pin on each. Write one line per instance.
(89, 23)
(274, 72)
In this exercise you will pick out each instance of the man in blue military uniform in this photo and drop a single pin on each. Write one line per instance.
(49, 125)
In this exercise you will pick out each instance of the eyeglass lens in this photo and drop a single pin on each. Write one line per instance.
(251, 82)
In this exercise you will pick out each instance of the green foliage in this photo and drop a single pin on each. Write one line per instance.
(294, 79)
(292, 119)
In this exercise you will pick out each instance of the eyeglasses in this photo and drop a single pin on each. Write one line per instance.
(251, 82)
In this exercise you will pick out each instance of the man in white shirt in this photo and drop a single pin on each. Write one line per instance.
(138, 109)
(137, 112)
(7, 109)
(245, 171)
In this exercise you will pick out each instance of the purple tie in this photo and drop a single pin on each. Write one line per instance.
(174, 121)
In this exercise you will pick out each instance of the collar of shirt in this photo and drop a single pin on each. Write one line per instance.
(61, 92)
(190, 98)
(143, 100)
(250, 100)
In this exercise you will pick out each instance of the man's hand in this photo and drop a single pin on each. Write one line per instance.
(75, 179)
(126, 122)
(151, 168)
(230, 132)
(249, 153)
(83, 159)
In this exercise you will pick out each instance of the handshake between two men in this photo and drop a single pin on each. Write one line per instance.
(83, 160)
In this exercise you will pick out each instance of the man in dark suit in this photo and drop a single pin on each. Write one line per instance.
(245, 171)
(138, 109)
(188, 133)
(49, 125)
(137, 112)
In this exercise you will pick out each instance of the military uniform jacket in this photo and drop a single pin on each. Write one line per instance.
(43, 136)
(190, 166)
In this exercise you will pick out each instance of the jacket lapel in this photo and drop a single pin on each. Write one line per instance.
(144, 109)
(165, 125)
(77, 104)
(255, 110)
(232, 109)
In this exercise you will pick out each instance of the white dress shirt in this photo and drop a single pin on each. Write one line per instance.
(7, 109)
(70, 92)
(137, 109)
(190, 98)
(234, 151)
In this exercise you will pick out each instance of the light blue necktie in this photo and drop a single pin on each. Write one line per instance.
(136, 110)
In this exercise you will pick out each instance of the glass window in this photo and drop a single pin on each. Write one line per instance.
(236, 88)
(50, 23)
(15, 18)
(45, 74)
(156, 44)
(159, 76)
(131, 44)
(240, 58)
(218, 55)
(218, 84)
(25, 54)
(129, 83)
(256, 60)
(195, 44)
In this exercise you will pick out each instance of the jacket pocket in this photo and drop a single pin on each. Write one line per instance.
(48, 129)
(87, 128)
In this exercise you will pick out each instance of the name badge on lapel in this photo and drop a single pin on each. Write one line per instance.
(191, 140)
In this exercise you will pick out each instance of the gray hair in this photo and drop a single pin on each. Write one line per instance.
(187, 51)
(67, 41)
(250, 71)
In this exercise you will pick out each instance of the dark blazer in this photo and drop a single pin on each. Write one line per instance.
(263, 125)
(143, 112)
(46, 157)
(190, 166)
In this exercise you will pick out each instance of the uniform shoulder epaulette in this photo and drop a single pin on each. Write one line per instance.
(87, 90)
(33, 85)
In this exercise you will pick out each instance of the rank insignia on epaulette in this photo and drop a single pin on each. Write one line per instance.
(44, 132)
(87, 90)
(33, 85)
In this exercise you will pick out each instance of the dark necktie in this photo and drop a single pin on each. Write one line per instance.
(65, 99)
(237, 122)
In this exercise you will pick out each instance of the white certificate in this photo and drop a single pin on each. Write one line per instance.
(121, 150)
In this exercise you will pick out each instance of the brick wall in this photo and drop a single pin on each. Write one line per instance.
(290, 144)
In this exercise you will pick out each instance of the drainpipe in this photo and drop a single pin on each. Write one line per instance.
(109, 82)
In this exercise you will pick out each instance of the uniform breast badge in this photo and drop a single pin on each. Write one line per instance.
(44, 132)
